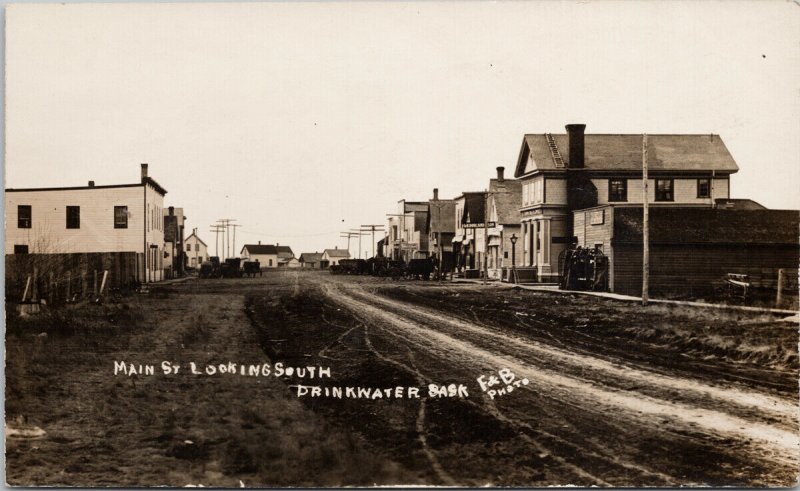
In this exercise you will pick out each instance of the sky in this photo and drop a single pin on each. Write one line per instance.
(303, 120)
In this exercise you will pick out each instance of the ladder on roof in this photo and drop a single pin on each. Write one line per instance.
(559, 161)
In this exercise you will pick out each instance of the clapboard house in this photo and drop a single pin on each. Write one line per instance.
(75, 231)
(564, 173)
(503, 202)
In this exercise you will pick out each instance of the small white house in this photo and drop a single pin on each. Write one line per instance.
(331, 257)
(266, 254)
(196, 251)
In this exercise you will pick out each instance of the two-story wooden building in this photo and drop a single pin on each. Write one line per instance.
(407, 230)
(441, 228)
(562, 173)
(503, 200)
(113, 221)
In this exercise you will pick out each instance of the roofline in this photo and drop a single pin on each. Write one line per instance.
(74, 188)
(196, 237)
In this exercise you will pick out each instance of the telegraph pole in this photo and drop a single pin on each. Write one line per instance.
(645, 227)
(485, 235)
(234, 238)
(373, 228)
(348, 235)
(216, 229)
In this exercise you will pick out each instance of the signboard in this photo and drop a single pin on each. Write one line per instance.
(479, 225)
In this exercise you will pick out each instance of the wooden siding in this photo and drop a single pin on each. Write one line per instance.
(685, 191)
(555, 192)
(687, 270)
(49, 234)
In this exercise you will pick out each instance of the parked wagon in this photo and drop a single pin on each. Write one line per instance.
(252, 268)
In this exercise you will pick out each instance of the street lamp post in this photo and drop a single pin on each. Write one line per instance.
(514, 257)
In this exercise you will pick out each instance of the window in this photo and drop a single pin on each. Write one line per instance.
(24, 216)
(618, 190)
(188, 247)
(270, 262)
(664, 190)
(73, 217)
(20, 249)
(704, 188)
(120, 217)
(197, 247)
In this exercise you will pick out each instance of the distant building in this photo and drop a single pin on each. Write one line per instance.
(331, 257)
(408, 235)
(468, 243)
(504, 198)
(175, 257)
(121, 218)
(441, 229)
(266, 255)
(311, 260)
(196, 251)
(286, 257)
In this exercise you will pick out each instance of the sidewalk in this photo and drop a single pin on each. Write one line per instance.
(628, 298)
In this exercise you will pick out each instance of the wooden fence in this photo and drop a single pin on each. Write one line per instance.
(59, 277)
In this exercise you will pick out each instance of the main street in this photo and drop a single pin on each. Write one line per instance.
(413, 383)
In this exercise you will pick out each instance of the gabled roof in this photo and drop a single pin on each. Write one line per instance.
(310, 257)
(260, 249)
(196, 237)
(507, 198)
(624, 153)
(673, 225)
(474, 209)
(337, 253)
(284, 251)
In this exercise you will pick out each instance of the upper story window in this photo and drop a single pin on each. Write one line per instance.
(664, 190)
(20, 249)
(197, 247)
(704, 188)
(618, 190)
(120, 217)
(24, 216)
(73, 217)
(188, 247)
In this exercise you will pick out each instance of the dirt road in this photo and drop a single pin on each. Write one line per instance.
(602, 392)
(597, 408)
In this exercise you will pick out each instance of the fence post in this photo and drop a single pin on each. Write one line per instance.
(50, 289)
(35, 289)
(103, 284)
(779, 297)
(27, 288)
(94, 290)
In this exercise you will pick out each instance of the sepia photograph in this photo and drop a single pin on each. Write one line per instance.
(468, 244)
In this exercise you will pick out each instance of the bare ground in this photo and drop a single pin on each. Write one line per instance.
(617, 395)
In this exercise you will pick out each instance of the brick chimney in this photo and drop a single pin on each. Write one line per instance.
(171, 211)
(91, 184)
(144, 171)
(575, 138)
(500, 171)
(259, 242)
(435, 194)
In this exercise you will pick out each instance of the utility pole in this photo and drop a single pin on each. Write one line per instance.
(226, 237)
(645, 227)
(373, 228)
(348, 235)
(216, 229)
(234, 237)
(194, 232)
(485, 235)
